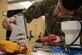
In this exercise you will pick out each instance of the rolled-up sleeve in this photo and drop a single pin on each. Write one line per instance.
(34, 11)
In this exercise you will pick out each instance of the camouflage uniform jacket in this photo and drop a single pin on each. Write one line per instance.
(46, 8)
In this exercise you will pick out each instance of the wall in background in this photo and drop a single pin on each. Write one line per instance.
(36, 26)
(3, 7)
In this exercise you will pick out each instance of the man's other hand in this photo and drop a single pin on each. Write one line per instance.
(7, 23)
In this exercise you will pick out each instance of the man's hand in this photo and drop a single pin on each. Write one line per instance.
(51, 38)
(62, 12)
(7, 23)
(54, 38)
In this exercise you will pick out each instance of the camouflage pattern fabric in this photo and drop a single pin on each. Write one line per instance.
(46, 8)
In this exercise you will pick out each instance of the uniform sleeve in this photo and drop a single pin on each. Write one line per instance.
(71, 4)
(34, 11)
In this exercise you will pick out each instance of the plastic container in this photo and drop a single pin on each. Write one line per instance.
(71, 30)
(58, 51)
(75, 52)
(58, 54)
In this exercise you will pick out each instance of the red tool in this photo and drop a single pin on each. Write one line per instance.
(51, 37)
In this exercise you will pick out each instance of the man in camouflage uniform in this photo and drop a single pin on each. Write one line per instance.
(51, 10)
(46, 8)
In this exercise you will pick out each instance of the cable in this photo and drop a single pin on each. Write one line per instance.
(77, 18)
